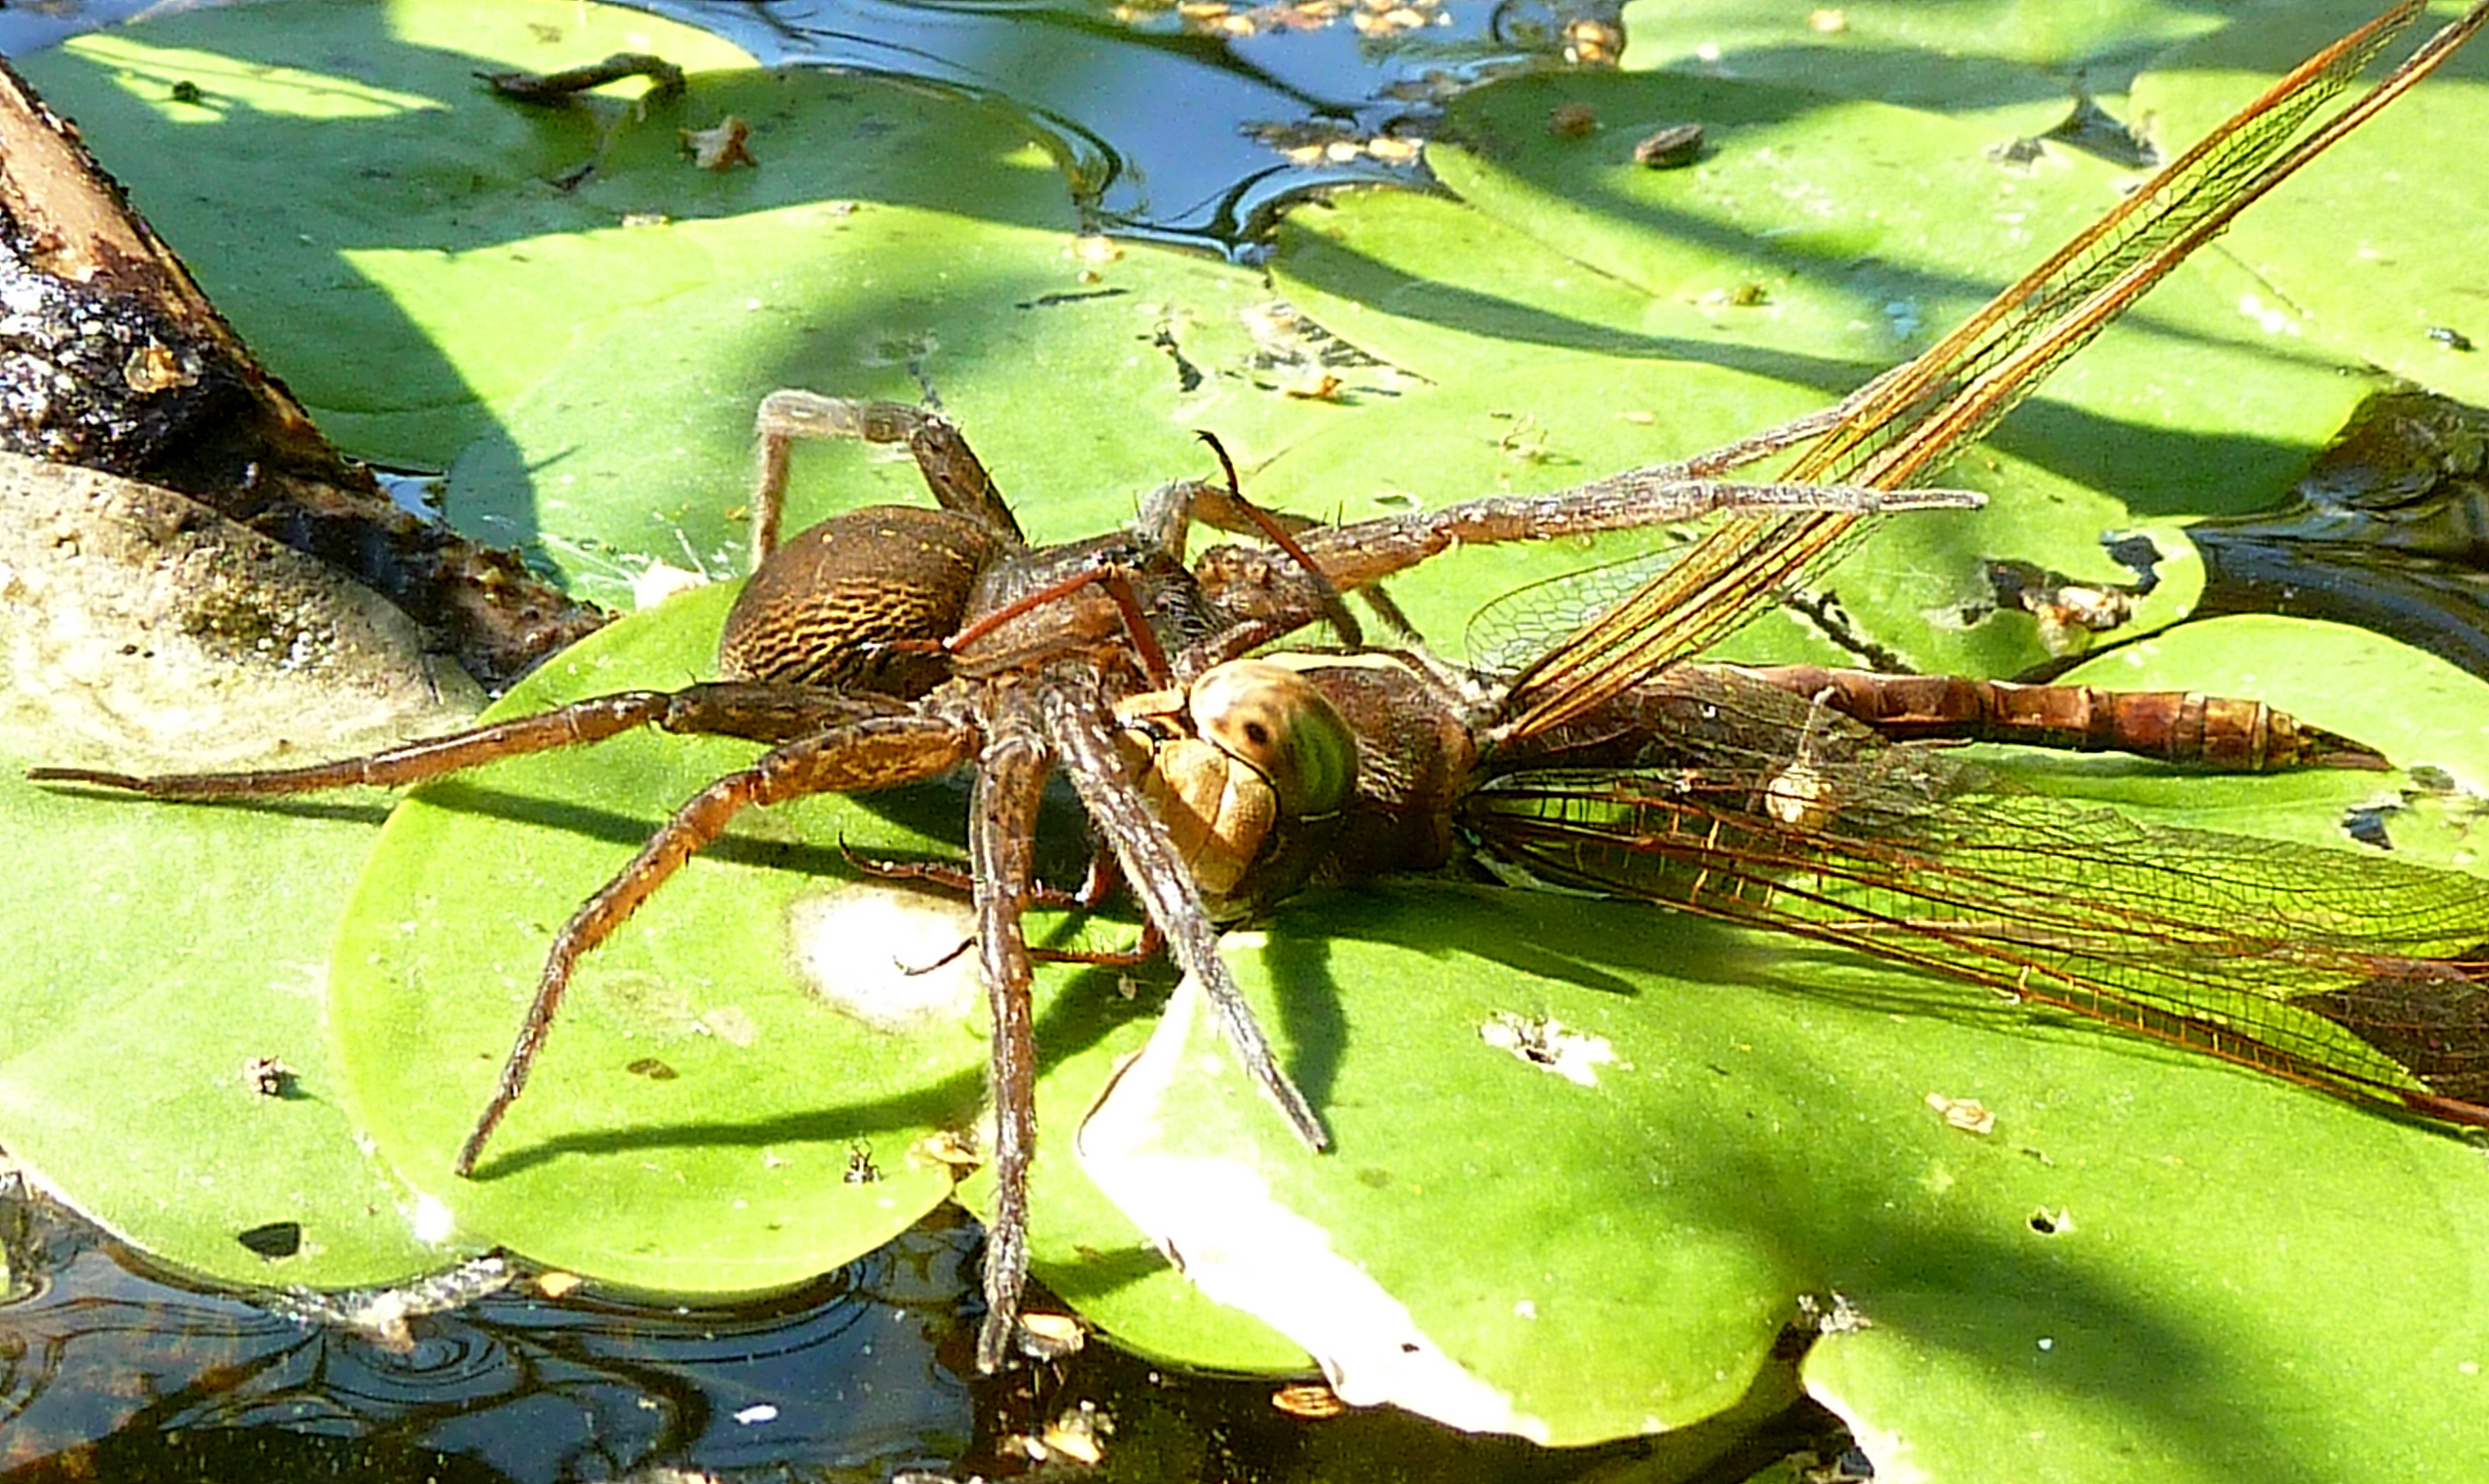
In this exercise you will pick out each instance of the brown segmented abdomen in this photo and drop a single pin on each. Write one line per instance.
(2184, 728)
(827, 608)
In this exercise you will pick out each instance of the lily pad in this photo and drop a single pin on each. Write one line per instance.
(579, 321)
(164, 1064)
(327, 144)
(1579, 1261)
(1965, 56)
(1866, 228)
(707, 1096)
(2363, 252)
(860, 298)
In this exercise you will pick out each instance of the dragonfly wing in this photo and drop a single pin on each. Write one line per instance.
(2362, 976)
(1902, 427)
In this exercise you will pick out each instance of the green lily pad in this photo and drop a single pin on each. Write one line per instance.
(856, 298)
(698, 1109)
(2364, 252)
(1579, 1261)
(741, 1154)
(578, 321)
(1967, 55)
(1509, 1247)
(331, 143)
(159, 951)
(1822, 239)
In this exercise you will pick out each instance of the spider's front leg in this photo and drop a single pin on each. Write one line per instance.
(952, 470)
(1269, 596)
(876, 751)
(1009, 783)
(1058, 715)
(1079, 724)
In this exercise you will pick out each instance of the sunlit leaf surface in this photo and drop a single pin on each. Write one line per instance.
(2236, 1275)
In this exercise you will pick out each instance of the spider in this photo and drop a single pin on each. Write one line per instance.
(889, 645)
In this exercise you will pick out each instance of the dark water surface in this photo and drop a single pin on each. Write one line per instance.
(110, 1371)
(1213, 168)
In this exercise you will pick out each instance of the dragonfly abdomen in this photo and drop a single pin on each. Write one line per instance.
(2184, 728)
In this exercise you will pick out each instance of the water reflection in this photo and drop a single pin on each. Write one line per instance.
(1193, 122)
(108, 1370)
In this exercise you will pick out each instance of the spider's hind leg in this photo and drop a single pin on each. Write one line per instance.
(761, 712)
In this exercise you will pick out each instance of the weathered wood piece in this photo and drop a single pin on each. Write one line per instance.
(112, 358)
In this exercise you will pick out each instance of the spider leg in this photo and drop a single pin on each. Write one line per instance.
(1104, 778)
(877, 751)
(951, 469)
(1009, 783)
(1117, 584)
(1171, 508)
(759, 711)
(1270, 595)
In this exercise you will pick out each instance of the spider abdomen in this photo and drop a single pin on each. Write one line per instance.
(851, 602)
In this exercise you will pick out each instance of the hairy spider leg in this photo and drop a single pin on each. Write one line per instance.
(1010, 782)
(1111, 792)
(755, 711)
(1117, 583)
(1268, 598)
(1229, 510)
(952, 470)
(1032, 721)
(877, 751)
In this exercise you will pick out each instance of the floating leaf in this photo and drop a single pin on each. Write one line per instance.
(160, 955)
(716, 1064)
(1764, 1130)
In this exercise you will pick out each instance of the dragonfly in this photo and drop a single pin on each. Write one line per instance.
(1819, 802)
(895, 643)
(1718, 789)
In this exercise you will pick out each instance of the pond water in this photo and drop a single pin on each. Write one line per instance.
(112, 1370)
(1216, 167)
(1274, 98)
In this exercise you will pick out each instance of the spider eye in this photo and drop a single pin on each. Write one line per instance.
(1275, 722)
